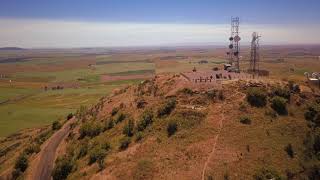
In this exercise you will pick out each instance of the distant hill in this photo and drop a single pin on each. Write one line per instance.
(10, 48)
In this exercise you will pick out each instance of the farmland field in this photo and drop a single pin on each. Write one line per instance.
(29, 78)
(28, 94)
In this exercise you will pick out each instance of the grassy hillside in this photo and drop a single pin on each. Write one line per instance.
(146, 132)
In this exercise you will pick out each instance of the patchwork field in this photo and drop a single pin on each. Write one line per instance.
(29, 96)
(40, 86)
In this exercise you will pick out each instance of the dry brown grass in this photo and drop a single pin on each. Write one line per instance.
(239, 150)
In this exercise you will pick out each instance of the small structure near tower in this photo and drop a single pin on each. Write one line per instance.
(194, 69)
(313, 78)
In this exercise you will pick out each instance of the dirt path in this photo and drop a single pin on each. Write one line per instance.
(214, 144)
(216, 138)
(47, 155)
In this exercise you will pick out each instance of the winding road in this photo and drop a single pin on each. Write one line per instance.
(48, 153)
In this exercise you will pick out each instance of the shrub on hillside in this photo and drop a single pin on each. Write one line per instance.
(43, 136)
(243, 107)
(97, 154)
(146, 119)
(16, 173)
(289, 150)
(172, 128)
(245, 120)
(72, 150)
(271, 113)
(226, 176)
(187, 91)
(265, 174)
(312, 143)
(210, 177)
(90, 129)
(313, 171)
(73, 125)
(166, 108)
(128, 128)
(70, 115)
(63, 167)
(109, 124)
(81, 112)
(281, 92)
(143, 170)
(294, 87)
(312, 114)
(257, 97)
(316, 143)
(32, 148)
(139, 136)
(221, 95)
(22, 162)
(114, 111)
(106, 146)
(120, 117)
(56, 125)
(124, 143)
(83, 149)
(188, 118)
(140, 103)
(279, 104)
(211, 94)
(312, 154)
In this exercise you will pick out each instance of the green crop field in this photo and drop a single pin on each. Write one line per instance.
(41, 108)
(11, 93)
(25, 104)
(87, 74)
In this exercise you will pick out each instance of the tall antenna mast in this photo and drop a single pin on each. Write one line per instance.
(234, 46)
(255, 55)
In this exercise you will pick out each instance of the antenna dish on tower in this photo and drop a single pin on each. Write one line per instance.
(237, 38)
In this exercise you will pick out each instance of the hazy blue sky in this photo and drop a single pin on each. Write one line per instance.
(83, 23)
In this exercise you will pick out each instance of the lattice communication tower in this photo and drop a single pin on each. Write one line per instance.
(234, 46)
(255, 54)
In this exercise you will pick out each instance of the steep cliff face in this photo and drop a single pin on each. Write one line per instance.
(161, 129)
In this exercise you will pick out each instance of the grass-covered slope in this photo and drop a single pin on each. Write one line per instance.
(245, 131)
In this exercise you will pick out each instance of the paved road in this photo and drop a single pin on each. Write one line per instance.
(47, 155)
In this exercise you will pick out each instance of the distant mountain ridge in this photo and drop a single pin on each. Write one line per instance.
(11, 48)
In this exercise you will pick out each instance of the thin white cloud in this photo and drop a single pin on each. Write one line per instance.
(50, 33)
